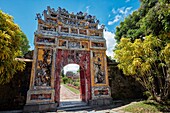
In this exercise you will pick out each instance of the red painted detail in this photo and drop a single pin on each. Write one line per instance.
(40, 96)
(82, 58)
(101, 92)
(83, 85)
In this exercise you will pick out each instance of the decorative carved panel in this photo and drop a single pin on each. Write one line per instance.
(47, 28)
(43, 67)
(83, 31)
(40, 96)
(99, 68)
(84, 45)
(73, 30)
(73, 44)
(95, 33)
(46, 40)
(62, 43)
(97, 44)
(99, 92)
(64, 29)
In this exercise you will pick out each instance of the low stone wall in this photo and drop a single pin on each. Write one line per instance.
(13, 94)
(123, 87)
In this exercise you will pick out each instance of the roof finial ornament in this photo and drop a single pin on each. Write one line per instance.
(102, 26)
(38, 16)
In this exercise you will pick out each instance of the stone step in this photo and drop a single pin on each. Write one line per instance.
(87, 108)
(12, 111)
(67, 105)
(73, 107)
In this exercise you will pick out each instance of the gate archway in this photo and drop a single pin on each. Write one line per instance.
(82, 58)
(63, 38)
(73, 76)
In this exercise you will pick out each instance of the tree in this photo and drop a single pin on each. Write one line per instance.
(143, 61)
(151, 18)
(65, 79)
(11, 44)
(62, 73)
(24, 44)
(78, 71)
(143, 49)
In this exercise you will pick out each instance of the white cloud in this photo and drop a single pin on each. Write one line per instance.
(113, 11)
(116, 19)
(121, 13)
(127, 10)
(121, 10)
(110, 41)
(127, 1)
(87, 9)
(71, 67)
(124, 10)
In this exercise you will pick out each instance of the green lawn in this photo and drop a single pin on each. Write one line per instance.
(146, 107)
(72, 89)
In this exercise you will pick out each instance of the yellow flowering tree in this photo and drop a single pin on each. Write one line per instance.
(11, 42)
(148, 62)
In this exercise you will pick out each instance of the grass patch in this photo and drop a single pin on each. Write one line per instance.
(72, 89)
(146, 107)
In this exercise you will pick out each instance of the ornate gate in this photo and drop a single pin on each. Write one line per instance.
(63, 38)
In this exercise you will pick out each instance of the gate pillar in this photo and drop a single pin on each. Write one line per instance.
(41, 93)
(101, 94)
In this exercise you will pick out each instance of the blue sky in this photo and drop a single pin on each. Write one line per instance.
(109, 12)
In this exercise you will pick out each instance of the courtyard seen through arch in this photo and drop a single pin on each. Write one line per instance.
(70, 84)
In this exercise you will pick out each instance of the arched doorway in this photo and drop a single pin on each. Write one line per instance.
(70, 83)
(81, 58)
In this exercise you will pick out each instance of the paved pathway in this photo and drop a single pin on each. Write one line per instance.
(67, 95)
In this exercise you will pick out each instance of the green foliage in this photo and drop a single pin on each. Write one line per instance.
(151, 18)
(141, 108)
(62, 73)
(70, 81)
(143, 49)
(78, 71)
(24, 44)
(157, 20)
(130, 27)
(11, 42)
(165, 53)
(76, 84)
(138, 57)
(65, 79)
(146, 107)
(146, 60)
